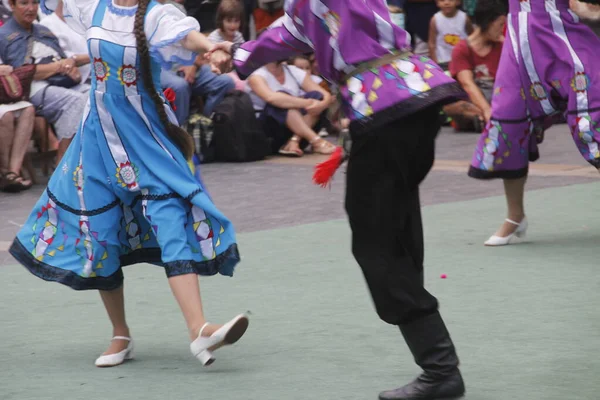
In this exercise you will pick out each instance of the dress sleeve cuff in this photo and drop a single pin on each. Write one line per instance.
(48, 6)
(168, 52)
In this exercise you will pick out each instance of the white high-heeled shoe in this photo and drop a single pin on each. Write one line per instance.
(518, 233)
(229, 333)
(112, 360)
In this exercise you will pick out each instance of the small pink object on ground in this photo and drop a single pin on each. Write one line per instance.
(443, 276)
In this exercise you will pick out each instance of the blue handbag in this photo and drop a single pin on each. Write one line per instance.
(64, 81)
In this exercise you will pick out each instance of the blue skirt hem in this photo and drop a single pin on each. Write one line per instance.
(223, 264)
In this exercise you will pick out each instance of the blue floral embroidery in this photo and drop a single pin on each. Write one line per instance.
(124, 12)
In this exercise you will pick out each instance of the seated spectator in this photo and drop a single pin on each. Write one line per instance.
(23, 41)
(447, 27)
(72, 43)
(474, 65)
(230, 15)
(288, 117)
(16, 128)
(198, 79)
(202, 79)
(304, 63)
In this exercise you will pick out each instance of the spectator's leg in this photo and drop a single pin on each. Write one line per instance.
(214, 87)
(296, 122)
(45, 138)
(182, 89)
(7, 136)
(63, 108)
(11, 181)
(23, 132)
(312, 120)
(47, 143)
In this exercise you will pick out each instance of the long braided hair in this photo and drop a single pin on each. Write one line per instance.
(182, 139)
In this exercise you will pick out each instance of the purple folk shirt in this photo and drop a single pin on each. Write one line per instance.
(343, 34)
(548, 68)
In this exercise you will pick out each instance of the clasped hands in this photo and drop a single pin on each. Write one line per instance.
(68, 66)
(218, 57)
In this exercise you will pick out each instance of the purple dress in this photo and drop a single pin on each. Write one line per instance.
(344, 34)
(549, 67)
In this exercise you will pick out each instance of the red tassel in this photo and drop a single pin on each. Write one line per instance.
(324, 171)
(170, 96)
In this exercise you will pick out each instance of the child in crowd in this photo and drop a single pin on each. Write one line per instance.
(447, 27)
(230, 15)
(229, 21)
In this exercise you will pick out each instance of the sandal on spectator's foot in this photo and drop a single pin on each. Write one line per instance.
(297, 152)
(322, 146)
(13, 183)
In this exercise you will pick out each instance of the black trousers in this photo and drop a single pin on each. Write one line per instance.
(382, 202)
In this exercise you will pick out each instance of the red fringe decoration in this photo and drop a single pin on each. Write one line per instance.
(324, 171)
(170, 96)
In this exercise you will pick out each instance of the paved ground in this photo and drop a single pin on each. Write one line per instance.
(524, 317)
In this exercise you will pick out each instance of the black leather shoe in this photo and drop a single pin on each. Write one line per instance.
(425, 388)
(433, 350)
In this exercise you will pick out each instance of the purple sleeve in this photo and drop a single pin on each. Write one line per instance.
(276, 43)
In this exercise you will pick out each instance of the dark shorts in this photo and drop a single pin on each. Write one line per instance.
(273, 120)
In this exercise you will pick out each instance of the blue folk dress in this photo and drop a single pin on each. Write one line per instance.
(124, 193)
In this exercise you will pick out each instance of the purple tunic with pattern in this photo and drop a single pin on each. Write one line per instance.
(343, 34)
(549, 66)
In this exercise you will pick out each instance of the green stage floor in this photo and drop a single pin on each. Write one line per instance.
(525, 318)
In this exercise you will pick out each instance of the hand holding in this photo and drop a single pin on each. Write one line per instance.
(220, 59)
(189, 73)
(5, 70)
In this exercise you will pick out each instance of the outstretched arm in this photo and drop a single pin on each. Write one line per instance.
(279, 42)
(586, 9)
(197, 42)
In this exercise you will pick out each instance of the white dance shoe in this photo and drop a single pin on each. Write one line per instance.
(229, 333)
(112, 360)
(519, 233)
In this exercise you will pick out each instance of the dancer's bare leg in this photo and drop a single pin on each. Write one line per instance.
(186, 290)
(514, 190)
(114, 302)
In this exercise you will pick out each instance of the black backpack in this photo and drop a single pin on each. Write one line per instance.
(237, 134)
